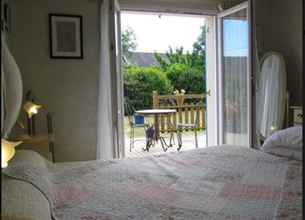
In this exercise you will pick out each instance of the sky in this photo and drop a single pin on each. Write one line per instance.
(236, 44)
(156, 34)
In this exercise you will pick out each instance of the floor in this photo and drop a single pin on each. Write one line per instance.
(188, 143)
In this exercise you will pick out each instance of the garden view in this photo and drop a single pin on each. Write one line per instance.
(178, 69)
(175, 71)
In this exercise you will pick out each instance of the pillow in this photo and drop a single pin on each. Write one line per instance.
(24, 199)
(21, 200)
(291, 137)
(287, 143)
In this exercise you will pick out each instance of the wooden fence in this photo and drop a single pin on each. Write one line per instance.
(186, 106)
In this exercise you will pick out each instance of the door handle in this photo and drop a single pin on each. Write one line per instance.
(208, 93)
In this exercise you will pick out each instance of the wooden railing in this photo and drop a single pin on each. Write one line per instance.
(186, 105)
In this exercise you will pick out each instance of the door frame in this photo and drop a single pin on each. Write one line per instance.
(116, 79)
(250, 77)
(251, 80)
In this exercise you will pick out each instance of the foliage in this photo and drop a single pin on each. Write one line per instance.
(178, 70)
(183, 77)
(140, 82)
(129, 44)
(186, 70)
(200, 45)
(176, 56)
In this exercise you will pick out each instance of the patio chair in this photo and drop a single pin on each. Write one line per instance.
(190, 126)
(135, 121)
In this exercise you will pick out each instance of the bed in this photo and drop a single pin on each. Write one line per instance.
(221, 182)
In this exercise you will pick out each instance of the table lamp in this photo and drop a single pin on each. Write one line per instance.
(31, 108)
(7, 151)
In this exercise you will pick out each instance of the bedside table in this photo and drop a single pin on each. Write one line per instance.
(41, 143)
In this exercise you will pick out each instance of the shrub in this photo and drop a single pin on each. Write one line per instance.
(140, 82)
(185, 77)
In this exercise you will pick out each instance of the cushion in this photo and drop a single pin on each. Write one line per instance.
(287, 143)
(21, 200)
(291, 137)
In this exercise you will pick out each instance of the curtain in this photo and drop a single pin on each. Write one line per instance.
(12, 91)
(105, 140)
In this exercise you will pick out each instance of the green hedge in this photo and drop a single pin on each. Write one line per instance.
(140, 82)
(188, 78)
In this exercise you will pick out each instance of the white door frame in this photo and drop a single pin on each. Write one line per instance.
(116, 80)
(212, 129)
(245, 5)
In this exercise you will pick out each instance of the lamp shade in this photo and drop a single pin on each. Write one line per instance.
(31, 108)
(7, 151)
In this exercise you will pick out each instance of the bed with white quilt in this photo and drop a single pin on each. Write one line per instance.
(221, 182)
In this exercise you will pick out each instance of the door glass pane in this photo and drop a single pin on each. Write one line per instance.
(235, 73)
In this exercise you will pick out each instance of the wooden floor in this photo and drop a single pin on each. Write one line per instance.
(187, 138)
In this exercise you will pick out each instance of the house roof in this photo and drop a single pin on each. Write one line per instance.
(144, 59)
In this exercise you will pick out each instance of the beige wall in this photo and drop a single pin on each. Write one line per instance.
(279, 26)
(68, 88)
(286, 38)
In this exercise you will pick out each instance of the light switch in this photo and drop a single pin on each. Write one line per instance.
(297, 116)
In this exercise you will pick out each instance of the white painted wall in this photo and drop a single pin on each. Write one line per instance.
(66, 87)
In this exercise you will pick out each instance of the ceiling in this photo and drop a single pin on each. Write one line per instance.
(207, 7)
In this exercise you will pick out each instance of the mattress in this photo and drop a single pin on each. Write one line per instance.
(222, 182)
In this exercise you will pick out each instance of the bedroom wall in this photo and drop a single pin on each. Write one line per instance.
(279, 28)
(286, 37)
(68, 88)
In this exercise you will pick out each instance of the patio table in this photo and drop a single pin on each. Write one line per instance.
(156, 113)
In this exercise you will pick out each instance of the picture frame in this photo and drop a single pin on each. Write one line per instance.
(66, 36)
(5, 16)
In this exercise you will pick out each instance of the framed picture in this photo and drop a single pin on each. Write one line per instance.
(5, 16)
(66, 36)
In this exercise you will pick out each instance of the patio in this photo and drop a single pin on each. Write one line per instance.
(187, 138)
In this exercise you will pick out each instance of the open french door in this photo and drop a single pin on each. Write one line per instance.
(234, 45)
(116, 79)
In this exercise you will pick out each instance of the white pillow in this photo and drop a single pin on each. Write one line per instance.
(287, 143)
(290, 137)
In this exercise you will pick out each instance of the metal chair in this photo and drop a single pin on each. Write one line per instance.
(190, 126)
(135, 121)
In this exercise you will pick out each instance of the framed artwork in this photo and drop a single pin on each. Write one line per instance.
(66, 36)
(5, 16)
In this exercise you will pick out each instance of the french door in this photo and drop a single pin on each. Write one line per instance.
(234, 76)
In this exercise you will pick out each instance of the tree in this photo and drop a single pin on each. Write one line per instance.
(195, 59)
(199, 47)
(129, 44)
(186, 70)
(140, 82)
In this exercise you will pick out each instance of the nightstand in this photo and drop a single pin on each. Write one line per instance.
(41, 143)
(297, 112)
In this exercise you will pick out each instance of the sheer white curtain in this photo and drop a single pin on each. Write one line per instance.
(105, 141)
(11, 93)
